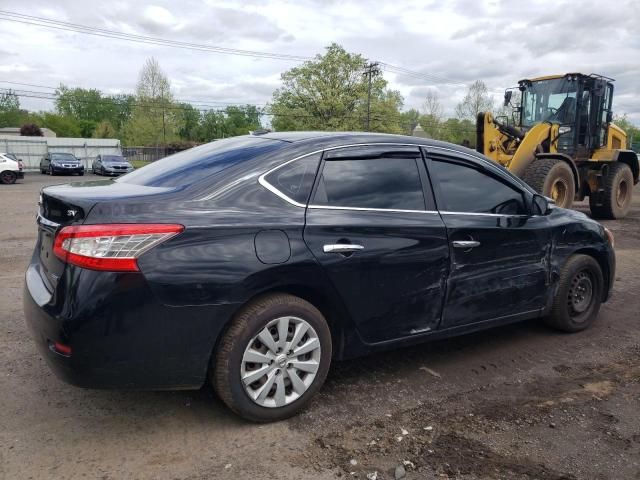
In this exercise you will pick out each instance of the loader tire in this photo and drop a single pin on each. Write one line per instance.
(615, 200)
(552, 178)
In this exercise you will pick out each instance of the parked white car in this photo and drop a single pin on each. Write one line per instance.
(10, 169)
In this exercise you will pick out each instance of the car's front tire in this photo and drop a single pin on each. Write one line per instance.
(273, 358)
(579, 295)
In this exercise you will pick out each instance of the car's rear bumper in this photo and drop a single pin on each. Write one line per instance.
(20, 174)
(119, 334)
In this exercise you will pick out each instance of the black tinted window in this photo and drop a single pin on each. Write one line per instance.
(392, 183)
(296, 178)
(465, 189)
(185, 168)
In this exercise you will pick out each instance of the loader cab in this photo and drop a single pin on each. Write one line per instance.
(579, 104)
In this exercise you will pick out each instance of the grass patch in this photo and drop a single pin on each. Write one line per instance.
(138, 163)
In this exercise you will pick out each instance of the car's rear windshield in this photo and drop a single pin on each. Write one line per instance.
(62, 156)
(113, 158)
(185, 168)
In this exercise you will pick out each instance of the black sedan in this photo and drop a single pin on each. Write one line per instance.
(111, 165)
(61, 163)
(253, 262)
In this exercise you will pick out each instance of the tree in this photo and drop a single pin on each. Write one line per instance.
(633, 132)
(154, 120)
(10, 113)
(211, 126)
(104, 130)
(90, 107)
(409, 120)
(241, 120)
(30, 130)
(189, 120)
(330, 92)
(432, 107)
(63, 126)
(475, 101)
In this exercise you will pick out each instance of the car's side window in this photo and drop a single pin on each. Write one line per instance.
(295, 179)
(380, 183)
(463, 188)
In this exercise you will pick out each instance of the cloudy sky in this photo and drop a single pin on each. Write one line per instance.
(451, 42)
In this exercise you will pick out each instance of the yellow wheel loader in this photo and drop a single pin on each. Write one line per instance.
(562, 142)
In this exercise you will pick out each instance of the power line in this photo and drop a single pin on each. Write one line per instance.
(101, 32)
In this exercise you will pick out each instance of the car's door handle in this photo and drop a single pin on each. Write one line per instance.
(342, 248)
(465, 244)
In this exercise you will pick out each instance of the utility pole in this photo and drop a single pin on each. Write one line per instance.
(370, 69)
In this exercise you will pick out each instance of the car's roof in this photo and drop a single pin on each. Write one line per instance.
(326, 139)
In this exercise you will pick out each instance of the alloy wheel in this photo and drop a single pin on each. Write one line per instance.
(280, 362)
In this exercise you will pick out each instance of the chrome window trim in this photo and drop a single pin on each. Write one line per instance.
(519, 215)
(363, 209)
(262, 180)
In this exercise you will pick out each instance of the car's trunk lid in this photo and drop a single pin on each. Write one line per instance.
(70, 204)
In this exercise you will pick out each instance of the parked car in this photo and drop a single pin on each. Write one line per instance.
(11, 169)
(63, 163)
(111, 165)
(253, 262)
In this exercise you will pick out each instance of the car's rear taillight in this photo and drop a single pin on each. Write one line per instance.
(111, 247)
(20, 165)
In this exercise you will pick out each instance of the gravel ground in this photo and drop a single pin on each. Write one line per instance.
(520, 402)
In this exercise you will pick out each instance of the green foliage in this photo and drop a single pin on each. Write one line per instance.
(104, 130)
(241, 120)
(63, 126)
(155, 120)
(330, 93)
(90, 107)
(10, 113)
(632, 131)
(189, 121)
(409, 120)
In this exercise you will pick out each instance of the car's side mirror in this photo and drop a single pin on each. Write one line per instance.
(540, 205)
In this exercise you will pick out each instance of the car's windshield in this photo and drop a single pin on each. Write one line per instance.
(113, 158)
(185, 168)
(63, 156)
(551, 100)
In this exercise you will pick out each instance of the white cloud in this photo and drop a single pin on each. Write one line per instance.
(452, 43)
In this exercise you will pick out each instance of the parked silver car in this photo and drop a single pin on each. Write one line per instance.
(111, 165)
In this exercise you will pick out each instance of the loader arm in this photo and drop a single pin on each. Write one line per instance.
(529, 146)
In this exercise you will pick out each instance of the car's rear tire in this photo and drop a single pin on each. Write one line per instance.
(615, 200)
(8, 177)
(578, 296)
(263, 346)
(552, 178)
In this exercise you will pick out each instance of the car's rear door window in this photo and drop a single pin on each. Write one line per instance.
(376, 183)
(295, 179)
(465, 188)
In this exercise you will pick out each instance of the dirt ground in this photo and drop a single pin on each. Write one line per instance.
(520, 402)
